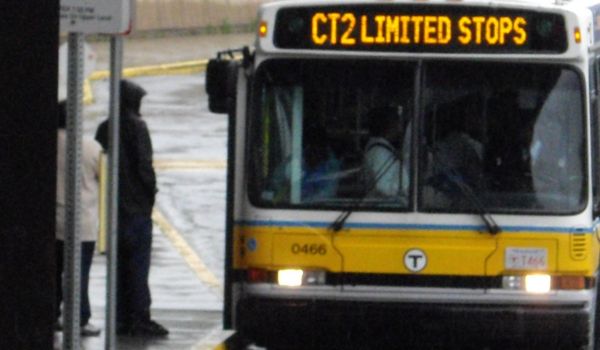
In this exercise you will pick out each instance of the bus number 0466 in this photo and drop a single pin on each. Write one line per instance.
(309, 249)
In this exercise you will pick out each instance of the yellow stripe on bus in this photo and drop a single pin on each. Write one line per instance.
(366, 250)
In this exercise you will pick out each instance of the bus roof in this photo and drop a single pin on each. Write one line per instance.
(527, 3)
(554, 26)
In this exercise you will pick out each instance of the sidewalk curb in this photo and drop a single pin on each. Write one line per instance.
(88, 96)
(215, 340)
(185, 67)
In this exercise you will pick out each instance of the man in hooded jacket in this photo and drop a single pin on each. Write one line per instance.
(137, 191)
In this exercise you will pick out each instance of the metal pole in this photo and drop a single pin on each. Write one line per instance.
(72, 254)
(116, 59)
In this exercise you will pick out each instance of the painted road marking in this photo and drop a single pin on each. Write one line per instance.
(214, 340)
(186, 67)
(188, 164)
(188, 254)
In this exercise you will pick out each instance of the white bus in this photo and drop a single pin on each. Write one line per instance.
(401, 167)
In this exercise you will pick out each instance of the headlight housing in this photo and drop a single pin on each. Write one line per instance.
(539, 283)
(536, 283)
(291, 277)
(298, 277)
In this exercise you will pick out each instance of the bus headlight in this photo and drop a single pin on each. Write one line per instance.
(297, 277)
(533, 283)
(538, 283)
(290, 278)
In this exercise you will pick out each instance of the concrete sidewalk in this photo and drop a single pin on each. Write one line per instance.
(190, 309)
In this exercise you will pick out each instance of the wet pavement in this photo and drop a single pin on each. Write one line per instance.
(190, 148)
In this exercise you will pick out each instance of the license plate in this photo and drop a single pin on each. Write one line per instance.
(526, 258)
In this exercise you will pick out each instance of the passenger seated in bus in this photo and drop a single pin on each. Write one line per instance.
(457, 161)
(382, 159)
(316, 178)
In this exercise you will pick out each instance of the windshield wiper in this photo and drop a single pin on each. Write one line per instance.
(467, 191)
(339, 222)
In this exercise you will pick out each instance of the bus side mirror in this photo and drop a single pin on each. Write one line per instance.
(221, 81)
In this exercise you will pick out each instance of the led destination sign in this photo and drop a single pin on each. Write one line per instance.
(420, 29)
(335, 28)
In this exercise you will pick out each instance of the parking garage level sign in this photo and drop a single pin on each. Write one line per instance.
(95, 16)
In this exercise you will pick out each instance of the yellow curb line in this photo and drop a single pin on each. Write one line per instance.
(185, 67)
(166, 164)
(188, 254)
(215, 340)
(88, 96)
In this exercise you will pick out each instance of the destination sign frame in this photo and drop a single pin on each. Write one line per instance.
(418, 28)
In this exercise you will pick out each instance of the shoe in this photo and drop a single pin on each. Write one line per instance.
(148, 328)
(89, 330)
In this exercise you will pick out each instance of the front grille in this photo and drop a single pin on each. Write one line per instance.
(439, 281)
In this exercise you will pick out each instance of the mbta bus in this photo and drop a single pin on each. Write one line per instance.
(401, 167)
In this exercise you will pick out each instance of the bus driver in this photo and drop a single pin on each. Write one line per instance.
(382, 161)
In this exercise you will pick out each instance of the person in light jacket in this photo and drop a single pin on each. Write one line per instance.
(90, 158)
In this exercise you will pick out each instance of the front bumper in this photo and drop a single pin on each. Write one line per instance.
(277, 314)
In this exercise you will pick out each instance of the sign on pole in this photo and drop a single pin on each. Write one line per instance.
(80, 17)
(95, 16)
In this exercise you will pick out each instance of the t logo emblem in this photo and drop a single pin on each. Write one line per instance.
(415, 260)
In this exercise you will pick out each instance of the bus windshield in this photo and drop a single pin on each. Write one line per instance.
(436, 137)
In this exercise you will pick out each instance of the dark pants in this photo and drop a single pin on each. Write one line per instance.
(133, 268)
(87, 253)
